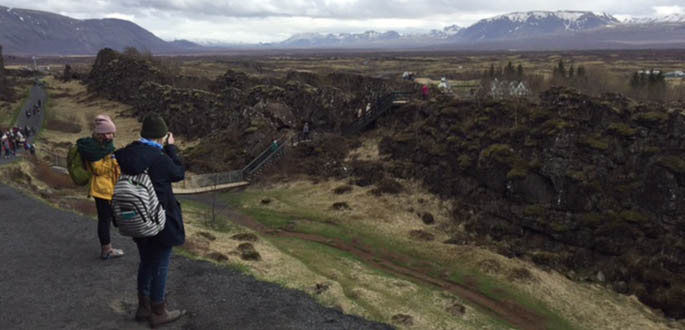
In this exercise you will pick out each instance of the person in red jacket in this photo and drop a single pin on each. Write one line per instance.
(424, 92)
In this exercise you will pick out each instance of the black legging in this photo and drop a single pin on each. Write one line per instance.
(105, 214)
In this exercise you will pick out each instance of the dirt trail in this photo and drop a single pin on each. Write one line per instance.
(512, 312)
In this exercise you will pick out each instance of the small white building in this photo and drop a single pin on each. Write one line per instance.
(504, 88)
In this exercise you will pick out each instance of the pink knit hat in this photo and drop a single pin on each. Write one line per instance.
(104, 125)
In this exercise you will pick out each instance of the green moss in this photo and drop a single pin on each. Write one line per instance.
(592, 219)
(535, 210)
(517, 173)
(673, 163)
(403, 137)
(622, 129)
(553, 126)
(450, 111)
(650, 117)
(464, 161)
(578, 176)
(633, 216)
(538, 115)
(452, 138)
(501, 153)
(595, 142)
(456, 128)
(648, 151)
(251, 129)
(630, 187)
(559, 227)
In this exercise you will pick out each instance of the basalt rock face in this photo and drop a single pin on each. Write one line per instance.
(119, 77)
(239, 113)
(593, 187)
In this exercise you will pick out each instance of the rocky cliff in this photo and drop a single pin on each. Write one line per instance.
(237, 115)
(593, 187)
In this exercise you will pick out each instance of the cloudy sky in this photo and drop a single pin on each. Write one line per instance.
(251, 21)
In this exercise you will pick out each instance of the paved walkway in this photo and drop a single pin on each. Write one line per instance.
(35, 121)
(51, 278)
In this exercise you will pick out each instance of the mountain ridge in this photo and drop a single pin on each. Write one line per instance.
(28, 32)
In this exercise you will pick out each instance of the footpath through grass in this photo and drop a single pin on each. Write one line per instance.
(283, 211)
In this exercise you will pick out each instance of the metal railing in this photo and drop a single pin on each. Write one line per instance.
(383, 105)
(268, 155)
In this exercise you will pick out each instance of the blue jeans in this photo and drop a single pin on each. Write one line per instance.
(153, 269)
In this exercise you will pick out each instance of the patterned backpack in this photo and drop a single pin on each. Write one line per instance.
(137, 210)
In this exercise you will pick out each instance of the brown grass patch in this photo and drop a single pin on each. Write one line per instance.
(53, 179)
(68, 125)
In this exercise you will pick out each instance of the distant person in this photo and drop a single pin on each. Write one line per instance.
(274, 146)
(97, 151)
(5, 144)
(156, 153)
(305, 130)
(424, 92)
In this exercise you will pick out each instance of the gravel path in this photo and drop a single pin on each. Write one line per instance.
(51, 278)
(35, 121)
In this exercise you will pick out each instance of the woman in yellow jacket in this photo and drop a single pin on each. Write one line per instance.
(97, 151)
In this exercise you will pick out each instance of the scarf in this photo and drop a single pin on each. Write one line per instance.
(91, 150)
(151, 143)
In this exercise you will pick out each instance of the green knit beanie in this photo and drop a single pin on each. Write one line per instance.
(154, 127)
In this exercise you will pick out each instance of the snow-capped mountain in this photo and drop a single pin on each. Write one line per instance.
(534, 24)
(673, 18)
(369, 38)
(339, 39)
(445, 33)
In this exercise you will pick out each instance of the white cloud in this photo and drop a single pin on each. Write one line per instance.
(668, 10)
(121, 16)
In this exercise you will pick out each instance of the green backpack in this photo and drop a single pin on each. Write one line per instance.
(76, 167)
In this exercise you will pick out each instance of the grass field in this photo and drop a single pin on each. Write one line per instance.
(384, 225)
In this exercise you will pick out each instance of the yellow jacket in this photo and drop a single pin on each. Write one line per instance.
(105, 175)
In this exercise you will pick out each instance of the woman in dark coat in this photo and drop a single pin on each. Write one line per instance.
(156, 153)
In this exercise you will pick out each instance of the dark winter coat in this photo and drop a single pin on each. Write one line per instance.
(165, 167)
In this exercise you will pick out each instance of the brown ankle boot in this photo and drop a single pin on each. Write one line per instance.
(160, 315)
(144, 309)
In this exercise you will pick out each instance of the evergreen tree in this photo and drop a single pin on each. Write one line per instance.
(509, 71)
(570, 72)
(635, 81)
(581, 71)
(519, 72)
(491, 72)
(560, 71)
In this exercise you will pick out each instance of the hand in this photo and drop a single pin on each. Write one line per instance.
(170, 138)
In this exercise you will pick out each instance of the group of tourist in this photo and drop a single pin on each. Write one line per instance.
(15, 139)
(156, 155)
